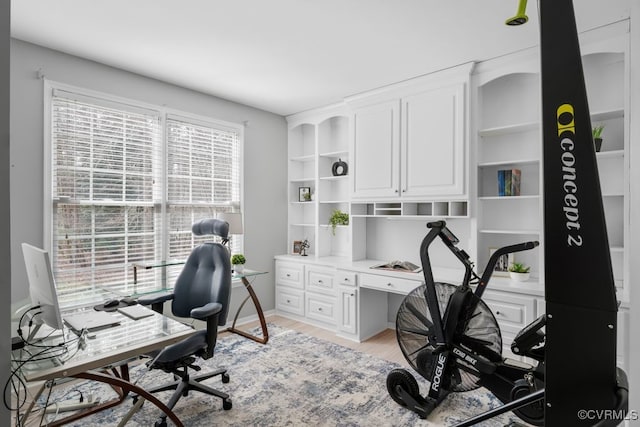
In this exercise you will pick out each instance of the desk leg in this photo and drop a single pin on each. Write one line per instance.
(128, 387)
(256, 303)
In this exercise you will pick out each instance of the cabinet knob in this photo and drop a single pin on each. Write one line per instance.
(404, 191)
(288, 275)
(288, 301)
(319, 308)
(320, 281)
(390, 284)
(353, 295)
(346, 279)
(396, 191)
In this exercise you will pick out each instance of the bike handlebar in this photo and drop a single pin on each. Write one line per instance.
(439, 229)
(493, 260)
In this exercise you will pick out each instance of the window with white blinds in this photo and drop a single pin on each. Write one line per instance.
(126, 186)
(203, 179)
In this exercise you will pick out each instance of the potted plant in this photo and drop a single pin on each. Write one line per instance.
(238, 261)
(338, 218)
(597, 136)
(519, 272)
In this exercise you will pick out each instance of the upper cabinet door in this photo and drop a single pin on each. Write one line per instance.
(376, 150)
(432, 149)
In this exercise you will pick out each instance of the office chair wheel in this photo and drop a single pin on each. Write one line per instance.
(226, 404)
(225, 378)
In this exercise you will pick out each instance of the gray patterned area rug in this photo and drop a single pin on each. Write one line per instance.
(294, 380)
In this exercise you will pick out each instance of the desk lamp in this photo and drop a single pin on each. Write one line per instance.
(235, 223)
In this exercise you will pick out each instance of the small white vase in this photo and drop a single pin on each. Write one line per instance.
(238, 268)
(519, 277)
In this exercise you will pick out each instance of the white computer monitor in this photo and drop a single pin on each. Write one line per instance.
(42, 286)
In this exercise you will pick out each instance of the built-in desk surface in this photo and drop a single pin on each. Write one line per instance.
(440, 274)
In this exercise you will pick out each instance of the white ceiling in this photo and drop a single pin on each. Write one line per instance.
(286, 56)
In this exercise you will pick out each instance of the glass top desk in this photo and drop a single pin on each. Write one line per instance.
(105, 358)
(244, 277)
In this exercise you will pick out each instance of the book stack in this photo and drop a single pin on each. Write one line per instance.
(509, 182)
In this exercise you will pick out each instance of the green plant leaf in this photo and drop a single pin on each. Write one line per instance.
(338, 218)
(238, 259)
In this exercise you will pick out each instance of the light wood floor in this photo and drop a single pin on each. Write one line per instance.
(384, 345)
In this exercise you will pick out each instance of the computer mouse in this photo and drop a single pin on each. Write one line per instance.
(111, 303)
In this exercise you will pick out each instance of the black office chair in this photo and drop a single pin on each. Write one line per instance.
(202, 292)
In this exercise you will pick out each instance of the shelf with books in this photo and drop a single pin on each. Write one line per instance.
(489, 179)
(534, 196)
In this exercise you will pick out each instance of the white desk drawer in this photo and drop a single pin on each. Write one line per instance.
(388, 284)
(511, 311)
(346, 278)
(321, 308)
(320, 280)
(290, 274)
(290, 300)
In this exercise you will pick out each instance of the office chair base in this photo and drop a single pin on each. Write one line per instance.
(184, 384)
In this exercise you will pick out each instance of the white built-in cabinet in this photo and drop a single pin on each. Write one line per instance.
(409, 141)
(376, 150)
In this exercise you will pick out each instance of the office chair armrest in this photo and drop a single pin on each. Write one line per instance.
(208, 310)
(156, 301)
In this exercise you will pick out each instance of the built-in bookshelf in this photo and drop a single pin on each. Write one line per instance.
(316, 142)
(508, 136)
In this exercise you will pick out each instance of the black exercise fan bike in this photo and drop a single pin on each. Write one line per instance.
(451, 338)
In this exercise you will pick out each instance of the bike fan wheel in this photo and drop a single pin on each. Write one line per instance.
(417, 340)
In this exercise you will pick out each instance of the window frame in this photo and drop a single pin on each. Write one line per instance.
(126, 104)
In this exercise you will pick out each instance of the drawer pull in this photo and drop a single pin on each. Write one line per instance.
(499, 314)
(288, 275)
(320, 282)
(346, 279)
(390, 284)
(319, 308)
(288, 301)
(353, 295)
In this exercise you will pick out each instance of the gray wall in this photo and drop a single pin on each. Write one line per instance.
(5, 229)
(265, 153)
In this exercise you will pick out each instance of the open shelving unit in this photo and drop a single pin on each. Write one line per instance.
(508, 135)
(314, 146)
(412, 210)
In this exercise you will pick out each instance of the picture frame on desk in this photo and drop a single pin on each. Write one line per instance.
(296, 248)
(502, 266)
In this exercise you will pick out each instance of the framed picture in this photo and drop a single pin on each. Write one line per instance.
(297, 247)
(304, 194)
(502, 266)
